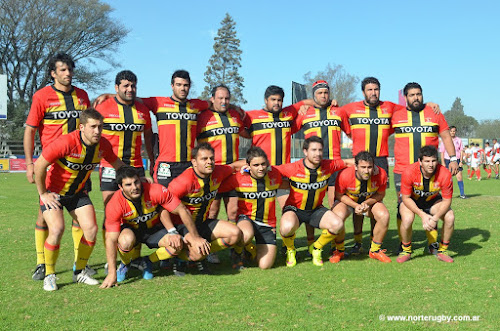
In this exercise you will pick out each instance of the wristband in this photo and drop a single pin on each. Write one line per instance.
(453, 159)
(172, 231)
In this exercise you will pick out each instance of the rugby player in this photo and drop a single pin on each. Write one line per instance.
(467, 158)
(256, 192)
(55, 111)
(496, 157)
(426, 190)
(476, 160)
(488, 159)
(138, 212)
(308, 182)
(459, 151)
(197, 187)
(414, 127)
(72, 158)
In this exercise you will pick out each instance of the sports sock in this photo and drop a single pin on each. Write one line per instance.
(289, 241)
(161, 253)
(183, 256)
(358, 237)
(51, 254)
(135, 253)
(41, 234)
(84, 250)
(407, 247)
(125, 255)
(478, 173)
(238, 249)
(461, 187)
(443, 246)
(340, 246)
(310, 241)
(77, 234)
(218, 245)
(325, 237)
(468, 172)
(375, 246)
(432, 236)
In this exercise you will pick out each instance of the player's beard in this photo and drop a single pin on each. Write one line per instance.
(416, 106)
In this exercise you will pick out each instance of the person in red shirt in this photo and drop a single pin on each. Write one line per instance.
(72, 159)
(197, 187)
(138, 212)
(426, 191)
(55, 111)
(256, 191)
(308, 182)
(360, 190)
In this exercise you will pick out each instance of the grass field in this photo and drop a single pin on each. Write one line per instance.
(354, 294)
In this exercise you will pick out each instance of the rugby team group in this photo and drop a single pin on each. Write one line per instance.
(197, 165)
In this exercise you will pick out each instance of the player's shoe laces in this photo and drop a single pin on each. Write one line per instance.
(337, 256)
(291, 261)
(443, 256)
(213, 258)
(179, 268)
(355, 250)
(433, 248)
(84, 278)
(203, 268)
(316, 256)
(380, 255)
(89, 270)
(121, 272)
(403, 257)
(147, 272)
(39, 273)
(49, 282)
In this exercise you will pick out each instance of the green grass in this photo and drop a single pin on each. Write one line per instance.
(351, 295)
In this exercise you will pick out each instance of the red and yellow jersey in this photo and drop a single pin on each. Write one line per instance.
(360, 190)
(221, 131)
(55, 113)
(327, 124)
(421, 189)
(123, 127)
(413, 130)
(73, 161)
(308, 186)
(197, 193)
(139, 214)
(370, 126)
(176, 126)
(256, 197)
(273, 131)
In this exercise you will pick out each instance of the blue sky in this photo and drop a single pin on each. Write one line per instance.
(450, 47)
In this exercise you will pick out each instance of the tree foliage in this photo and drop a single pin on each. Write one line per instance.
(342, 84)
(466, 125)
(33, 30)
(488, 129)
(225, 62)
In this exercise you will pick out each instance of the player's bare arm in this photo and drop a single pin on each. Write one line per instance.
(111, 245)
(29, 146)
(49, 199)
(450, 149)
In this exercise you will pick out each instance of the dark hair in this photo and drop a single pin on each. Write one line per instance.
(369, 80)
(254, 152)
(477, 145)
(220, 86)
(125, 75)
(60, 57)
(180, 74)
(428, 150)
(125, 172)
(487, 142)
(273, 90)
(90, 113)
(453, 127)
(410, 86)
(312, 139)
(203, 146)
(364, 156)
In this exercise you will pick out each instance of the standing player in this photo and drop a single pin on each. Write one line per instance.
(360, 191)
(138, 212)
(459, 152)
(415, 127)
(308, 182)
(496, 157)
(72, 158)
(125, 120)
(256, 192)
(476, 160)
(467, 158)
(55, 111)
(488, 159)
(197, 187)
(426, 189)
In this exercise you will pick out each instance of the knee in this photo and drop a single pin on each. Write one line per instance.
(449, 218)
(56, 231)
(126, 242)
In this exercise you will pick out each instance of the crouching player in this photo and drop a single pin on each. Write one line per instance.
(138, 213)
(361, 189)
(426, 189)
(256, 192)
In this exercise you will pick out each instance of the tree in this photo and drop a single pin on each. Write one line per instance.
(225, 62)
(488, 129)
(342, 84)
(36, 29)
(466, 125)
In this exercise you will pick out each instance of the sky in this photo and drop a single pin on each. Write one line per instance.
(451, 48)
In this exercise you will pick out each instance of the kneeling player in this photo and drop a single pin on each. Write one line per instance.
(257, 191)
(421, 185)
(360, 189)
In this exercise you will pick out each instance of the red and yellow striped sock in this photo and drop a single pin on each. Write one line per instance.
(218, 245)
(77, 234)
(41, 234)
(51, 255)
(325, 237)
(161, 253)
(85, 248)
(125, 255)
(289, 241)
